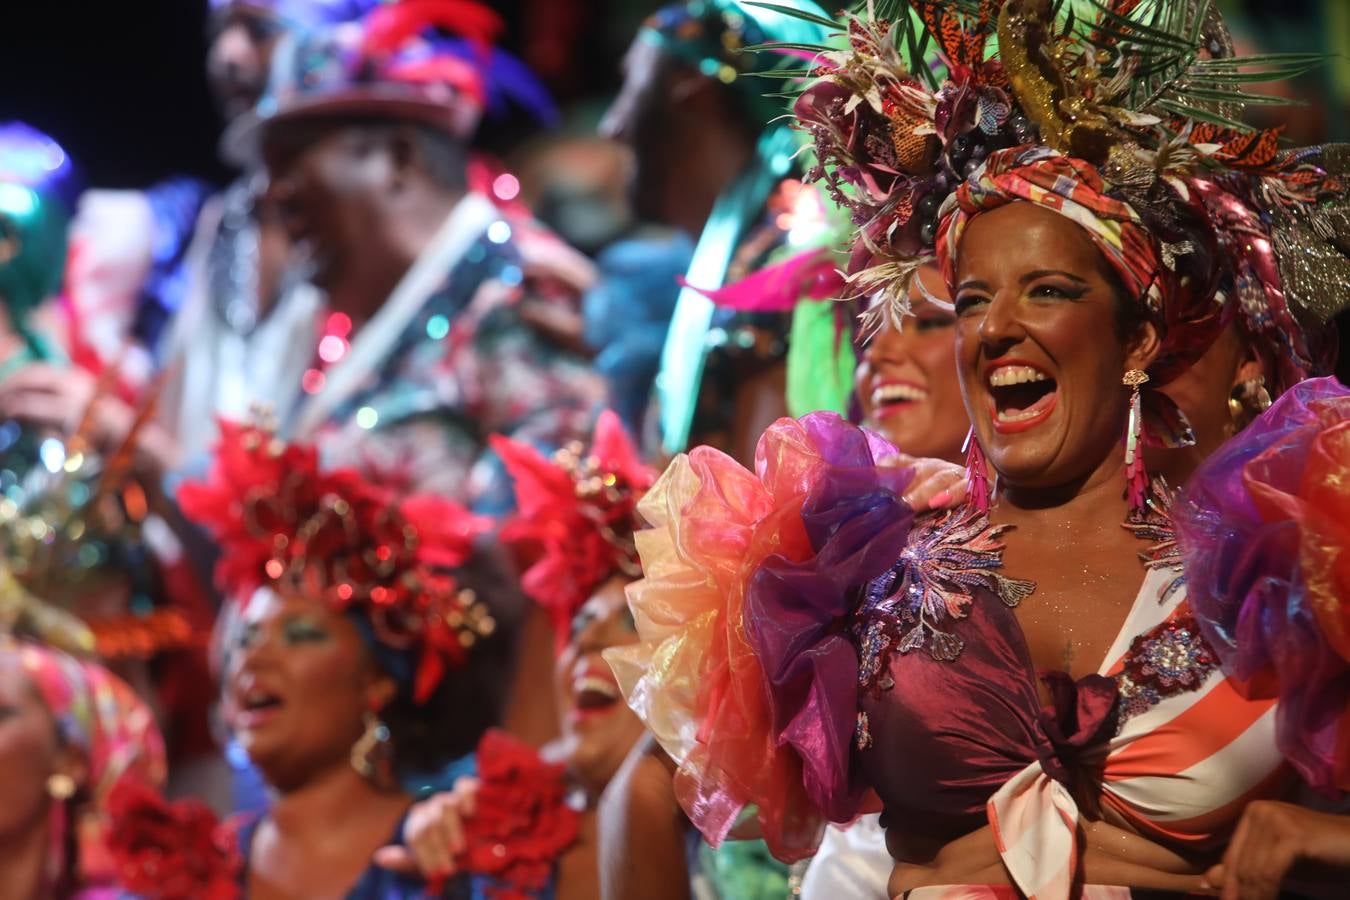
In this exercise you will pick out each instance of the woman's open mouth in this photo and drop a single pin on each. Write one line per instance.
(594, 695)
(1021, 395)
(255, 707)
(890, 398)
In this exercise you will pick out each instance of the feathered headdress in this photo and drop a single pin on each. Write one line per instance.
(282, 522)
(1147, 91)
(576, 515)
(431, 61)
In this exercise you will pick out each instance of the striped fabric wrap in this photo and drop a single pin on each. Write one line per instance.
(1183, 299)
(1179, 773)
(1074, 189)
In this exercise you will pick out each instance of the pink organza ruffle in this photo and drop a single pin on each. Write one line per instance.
(1265, 527)
(693, 677)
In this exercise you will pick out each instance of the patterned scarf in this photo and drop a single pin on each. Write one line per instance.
(1188, 310)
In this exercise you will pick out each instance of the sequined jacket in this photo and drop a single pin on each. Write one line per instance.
(465, 366)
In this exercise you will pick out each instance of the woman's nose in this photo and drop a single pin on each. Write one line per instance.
(1001, 325)
(889, 344)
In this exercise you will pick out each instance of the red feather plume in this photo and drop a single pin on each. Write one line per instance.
(576, 516)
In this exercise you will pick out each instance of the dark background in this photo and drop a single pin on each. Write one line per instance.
(122, 85)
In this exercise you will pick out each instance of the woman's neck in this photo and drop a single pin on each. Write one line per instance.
(1098, 499)
(318, 808)
(24, 862)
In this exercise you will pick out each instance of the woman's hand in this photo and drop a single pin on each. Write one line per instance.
(58, 398)
(937, 484)
(61, 398)
(433, 835)
(1271, 839)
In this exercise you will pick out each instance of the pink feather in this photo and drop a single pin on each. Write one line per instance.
(777, 288)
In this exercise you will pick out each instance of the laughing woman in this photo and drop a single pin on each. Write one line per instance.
(906, 382)
(575, 523)
(1022, 683)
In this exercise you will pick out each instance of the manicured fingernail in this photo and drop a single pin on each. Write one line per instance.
(940, 500)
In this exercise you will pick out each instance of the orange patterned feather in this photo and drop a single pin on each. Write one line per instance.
(1254, 150)
(946, 28)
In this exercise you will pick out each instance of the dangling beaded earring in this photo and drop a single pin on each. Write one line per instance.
(1136, 479)
(61, 786)
(372, 753)
(977, 477)
(1248, 400)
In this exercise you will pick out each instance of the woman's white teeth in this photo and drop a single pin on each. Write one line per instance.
(259, 699)
(890, 393)
(1005, 376)
(601, 686)
(1005, 415)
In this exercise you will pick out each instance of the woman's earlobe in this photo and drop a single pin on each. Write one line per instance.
(1147, 344)
(1250, 369)
(381, 693)
(72, 768)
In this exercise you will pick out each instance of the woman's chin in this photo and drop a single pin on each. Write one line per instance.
(1026, 460)
(595, 758)
(274, 760)
(910, 432)
(594, 762)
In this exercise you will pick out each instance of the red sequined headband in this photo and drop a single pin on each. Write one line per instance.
(282, 522)
(576, 516)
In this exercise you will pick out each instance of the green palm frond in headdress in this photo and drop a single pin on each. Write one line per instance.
(927, 88)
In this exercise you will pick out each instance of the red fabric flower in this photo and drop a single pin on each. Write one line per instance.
(522, 822)
(171, 851)
(576, 516)
(279, 519)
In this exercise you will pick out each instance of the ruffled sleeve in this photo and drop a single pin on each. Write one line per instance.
(697, 677)
(1265, 528)
(857, 525)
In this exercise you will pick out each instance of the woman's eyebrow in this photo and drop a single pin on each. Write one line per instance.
(1041, 273)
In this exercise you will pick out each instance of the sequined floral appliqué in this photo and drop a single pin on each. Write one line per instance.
(1172, 657)
(1169, 659)
(930, 586)
(1153, 523)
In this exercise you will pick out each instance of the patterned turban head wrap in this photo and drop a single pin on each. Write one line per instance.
(98, 713)
(1163, 253)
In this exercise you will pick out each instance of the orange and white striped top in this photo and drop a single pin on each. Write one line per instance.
(1179, 772)
(967, 740)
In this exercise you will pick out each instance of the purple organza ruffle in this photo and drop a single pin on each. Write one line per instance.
(1243, 523)
(796, 613)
